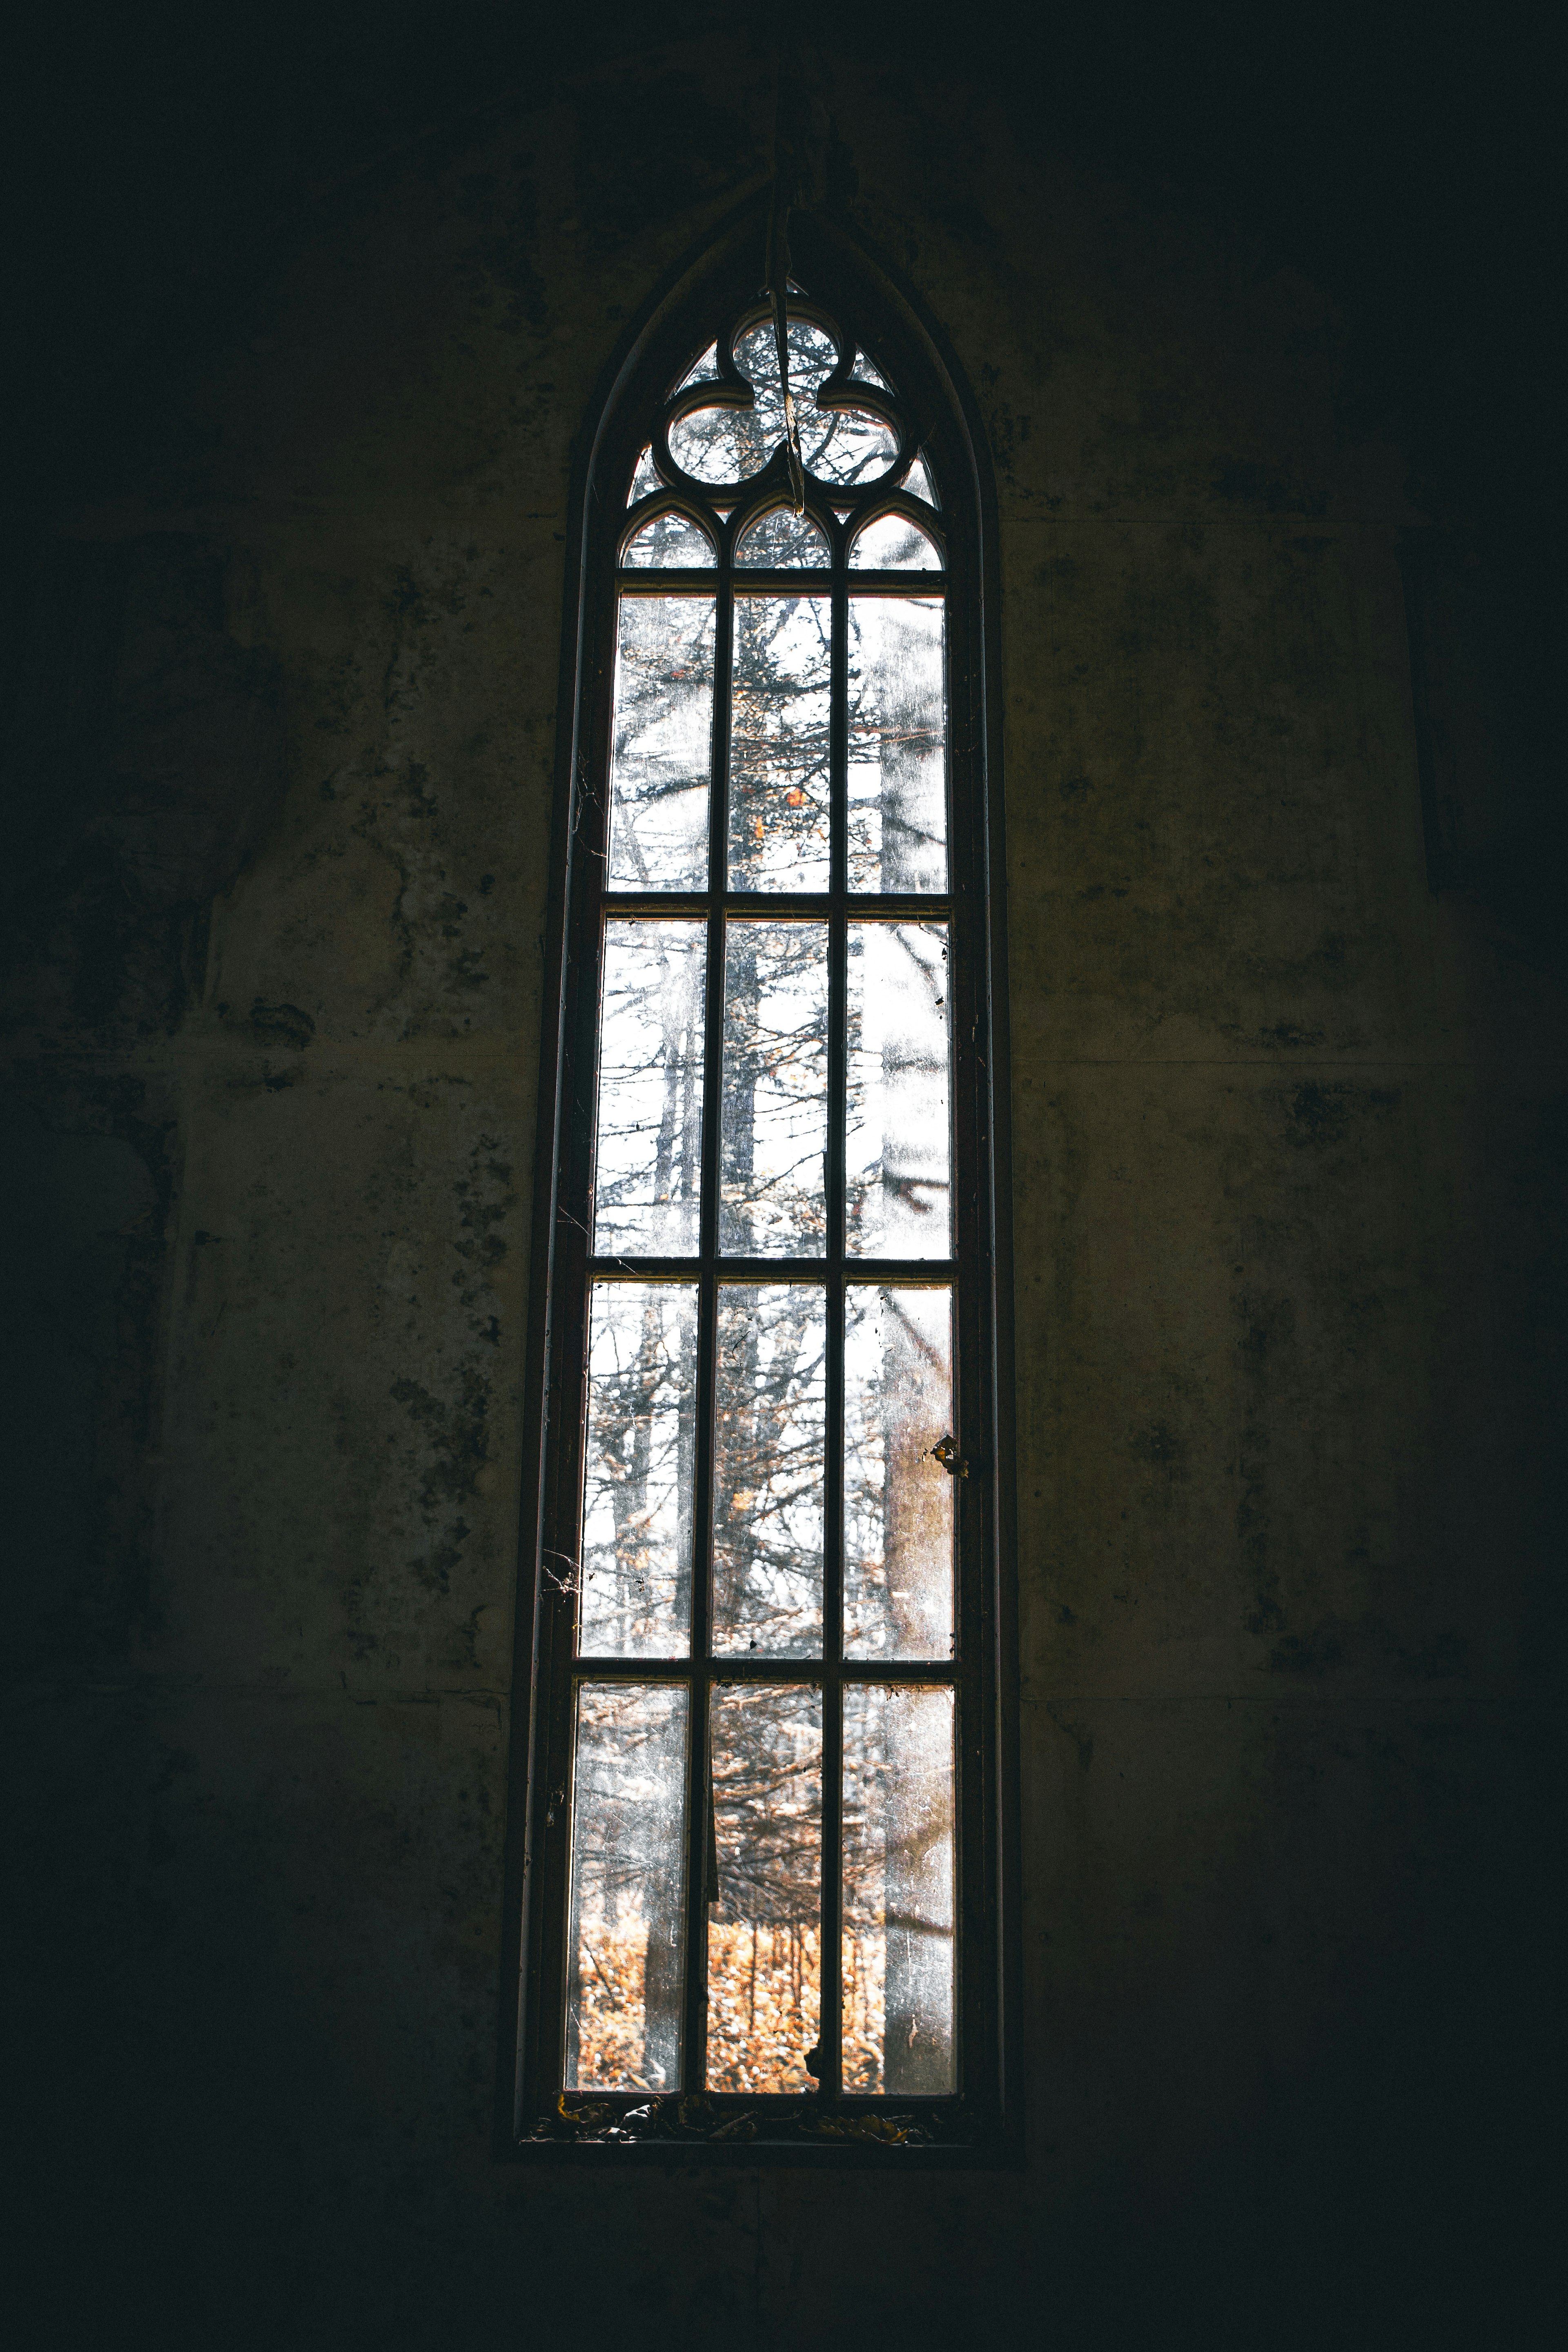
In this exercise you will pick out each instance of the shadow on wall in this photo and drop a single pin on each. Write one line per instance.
(145, 759)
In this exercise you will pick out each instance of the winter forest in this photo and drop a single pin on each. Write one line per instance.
(774, 1358)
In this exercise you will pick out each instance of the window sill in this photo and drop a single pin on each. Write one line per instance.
(922, 2136)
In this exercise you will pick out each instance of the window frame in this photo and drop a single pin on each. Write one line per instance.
(982, 2122)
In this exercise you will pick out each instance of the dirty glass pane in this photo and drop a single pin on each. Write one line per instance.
(898, 1959)
(779, 743)
(897, 744)
(663, 743)
(773, 1129)
(899, 1157)
(770, 1403)
(645, 480)
(670, 542)
(784, 540)
(846, 444)
(635, 1586)
(866, 374)
(897, 1502)
(647, 1153)
(892, 543)
(765, 1932)
(625, 1940)
(918, 482)
(721, 444)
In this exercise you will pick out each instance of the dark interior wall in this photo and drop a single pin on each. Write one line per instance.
(283, 640)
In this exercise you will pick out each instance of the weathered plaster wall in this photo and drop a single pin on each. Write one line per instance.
(1284, 1135)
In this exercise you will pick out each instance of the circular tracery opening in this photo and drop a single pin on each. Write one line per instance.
(843, 443)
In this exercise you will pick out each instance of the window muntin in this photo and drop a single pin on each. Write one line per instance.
(778, 1297)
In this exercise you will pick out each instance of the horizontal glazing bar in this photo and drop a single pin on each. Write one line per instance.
(722, 1669)
(870, 905)
(747, 583)
(927, 1272)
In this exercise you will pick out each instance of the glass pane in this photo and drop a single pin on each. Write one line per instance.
(636, 1495)
(779, 743)
(649, 1150)
(663, 743)
(897, 744)
(918, 482)
(764, 1931)
(899, 1978)
(626, 1938)
(783, 538)
(867, 373)
(670, 542)
(891, 543)
(899, 1156)
(770, 1406)
(813, 356)
(844, 444)
(645, 480)
(702, 369)
(723, 443)
(897, 1502)
(774, 1112)
(729, 445)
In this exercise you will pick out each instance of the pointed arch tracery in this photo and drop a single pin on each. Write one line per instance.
(763, 1848)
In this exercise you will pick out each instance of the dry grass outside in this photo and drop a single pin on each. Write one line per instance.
(865, 1980)
(763, 2007)
(763, 2004)
(611, 2014)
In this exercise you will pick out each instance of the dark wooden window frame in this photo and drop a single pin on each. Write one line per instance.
(982, 2123)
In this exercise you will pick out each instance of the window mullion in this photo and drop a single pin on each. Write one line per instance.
(699, 1793)
(830, 2033)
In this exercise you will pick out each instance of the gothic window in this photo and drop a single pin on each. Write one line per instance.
(763, 1883)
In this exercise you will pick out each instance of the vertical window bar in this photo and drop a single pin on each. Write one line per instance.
(830, 2039)
(699, 1769)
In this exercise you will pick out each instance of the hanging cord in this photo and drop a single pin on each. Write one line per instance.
(778, 288)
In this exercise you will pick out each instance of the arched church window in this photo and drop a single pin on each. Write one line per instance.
(764, 1884)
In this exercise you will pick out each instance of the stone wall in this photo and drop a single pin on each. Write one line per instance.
(1287, 1136)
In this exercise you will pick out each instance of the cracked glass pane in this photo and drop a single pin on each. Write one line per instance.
(897, 1501)
(764, 1934)
(899, 1157)
(649, 1143)
(626, 1944)
(779, 743)
(770, 1407)
(897, 744)
(774, 1091)
(899, 1976)
(636, 1583)
(918, 482)
(662, 748)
